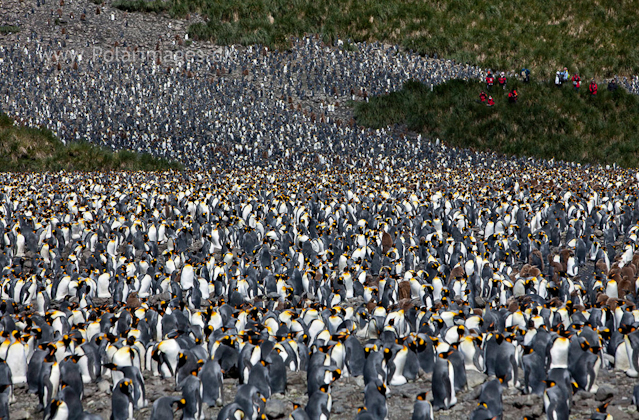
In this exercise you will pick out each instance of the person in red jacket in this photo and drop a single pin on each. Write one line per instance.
(490, 101)
(576, 81)
(483, 97)
(490, 80)
(512, 96)
(502, 80)
(592, 88)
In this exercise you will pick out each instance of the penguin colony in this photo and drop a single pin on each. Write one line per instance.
(525, 270)
(246, 102)
(299, 243)
(237, 99)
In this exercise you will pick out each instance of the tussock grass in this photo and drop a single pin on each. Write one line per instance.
(547, 122)
(154, 6)
(593, 37)
(7, 29)
(36, 149)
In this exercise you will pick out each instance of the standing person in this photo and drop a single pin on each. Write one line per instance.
(576, 81)
(592, 87)
(490, 102)
(525, 75)
(565, 75)
(483, 97)
(612, 85)
(490, 80)
(558, 79)
(502, 80)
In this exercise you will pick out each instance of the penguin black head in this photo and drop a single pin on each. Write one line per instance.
(603, 407)
(55, 405)
(125, 386)
(422, 396)
(382, 389)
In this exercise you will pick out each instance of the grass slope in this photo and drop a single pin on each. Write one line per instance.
(594, 37)
(547, 122)
(33, 149)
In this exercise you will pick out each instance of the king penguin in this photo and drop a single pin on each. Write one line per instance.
(122, 401)
(443, 385)
(422, 410)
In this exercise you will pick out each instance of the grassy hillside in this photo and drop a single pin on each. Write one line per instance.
(32, 149)
(594, 37)
(547, 122)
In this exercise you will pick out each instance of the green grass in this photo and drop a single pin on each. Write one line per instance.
(594, 37)
(547, 122)
(7, 29)
(25, 149)
(155, 6)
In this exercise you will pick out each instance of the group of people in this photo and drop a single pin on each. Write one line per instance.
(561, 77)
(489, 101)
(502, 82)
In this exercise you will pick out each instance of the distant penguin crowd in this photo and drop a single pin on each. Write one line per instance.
(248, 103)
(522, 269)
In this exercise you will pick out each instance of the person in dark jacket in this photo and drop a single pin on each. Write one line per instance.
(525, 75)
(592, 88)
(612, 85)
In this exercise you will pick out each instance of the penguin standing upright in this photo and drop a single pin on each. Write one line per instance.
(70, 375)
(277, 373)
(192, 394)
(443, 385)
(212, 381)
(534, 371)
(4, 402)
(396, 367)
(248, 397)
(375, 399)
(586, 368)
(72, 399)
(122, 400)
(355, 357)
(16, 357)
(259, 378)
(137, 383)
(422, 410)
(319, 404)
(6, 381)
(556, 403)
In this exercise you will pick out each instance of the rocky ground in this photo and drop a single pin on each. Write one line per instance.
(347, 395)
